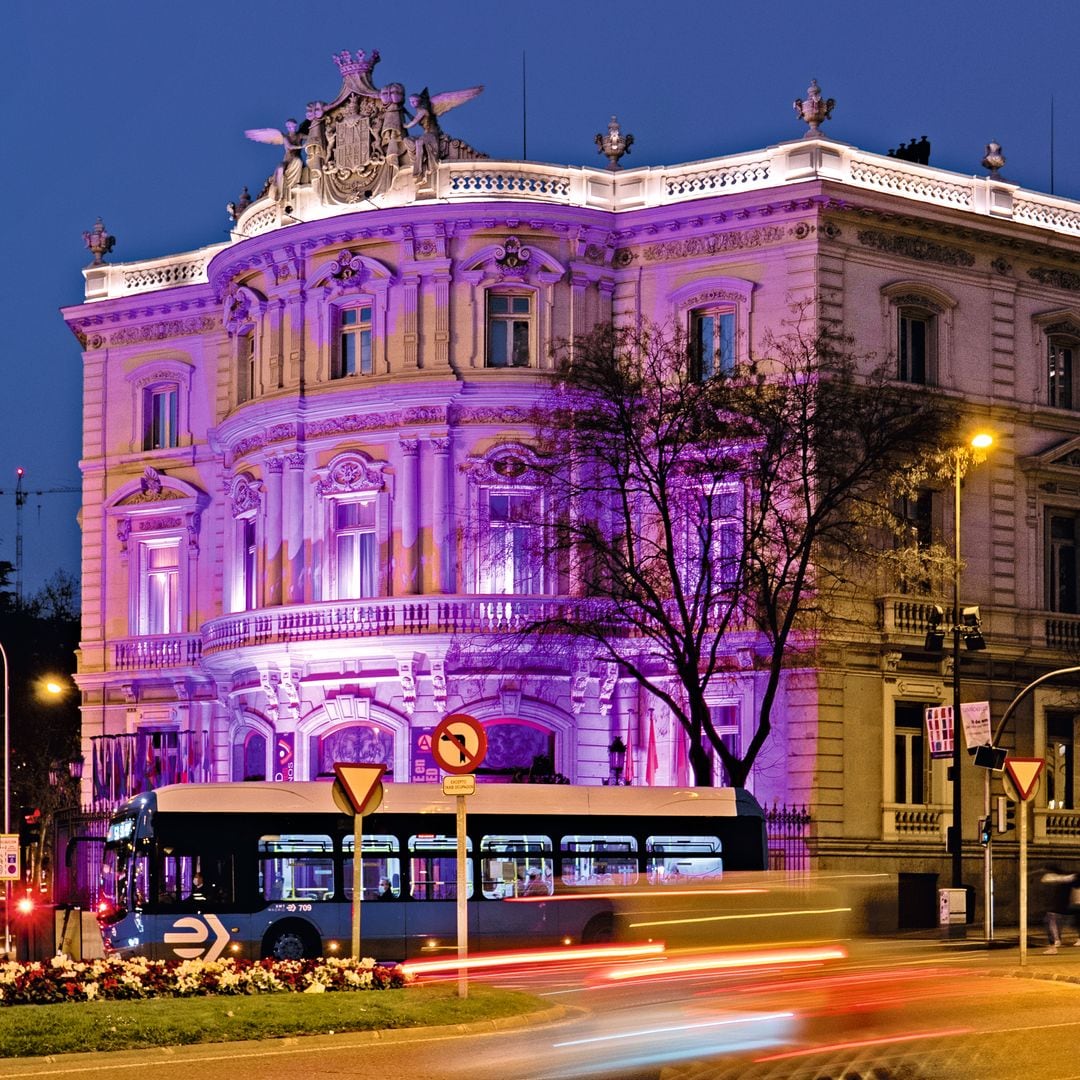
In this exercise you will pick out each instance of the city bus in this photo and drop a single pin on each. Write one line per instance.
(262, 869)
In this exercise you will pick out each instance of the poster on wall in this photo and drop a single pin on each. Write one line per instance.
(285, 757)
(939, 730)
(423, 769)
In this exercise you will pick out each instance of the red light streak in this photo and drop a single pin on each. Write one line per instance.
(727, 961)
(538, 956)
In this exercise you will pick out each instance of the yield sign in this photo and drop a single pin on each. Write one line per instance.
(1024, 773)
(360, 782)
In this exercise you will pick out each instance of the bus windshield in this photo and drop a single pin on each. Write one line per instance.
(116, 867)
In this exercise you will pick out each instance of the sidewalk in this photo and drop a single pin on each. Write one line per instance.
(1002, 955)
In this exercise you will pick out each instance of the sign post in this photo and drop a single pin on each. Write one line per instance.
(458, 745)
(358, 791)
(1021, 782)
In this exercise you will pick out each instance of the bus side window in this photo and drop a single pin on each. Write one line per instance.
(380, 863)
(433, 867)
(516, 865)
(297, 866)
(588, 859)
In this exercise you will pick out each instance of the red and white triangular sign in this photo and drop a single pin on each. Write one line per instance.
(1024, 773)
(360, 782)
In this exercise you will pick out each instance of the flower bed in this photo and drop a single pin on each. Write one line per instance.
(112, 979)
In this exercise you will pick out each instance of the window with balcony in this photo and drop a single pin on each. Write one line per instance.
(1062, 570)
(158, 607)
(1061, 372)
(249, 562)
(161, 417)
(513, 562)
(353, 354)
(356, 549)
(712, 342)
(509, 329)
(910, 760)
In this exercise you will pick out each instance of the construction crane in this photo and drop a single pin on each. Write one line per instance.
(21, 495)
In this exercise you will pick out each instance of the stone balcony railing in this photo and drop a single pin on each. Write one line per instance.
(900, 821)
(155, 652)
(773, 167)
(380, 617)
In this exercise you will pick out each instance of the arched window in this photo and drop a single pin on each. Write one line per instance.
(370, 744)
(249, 756)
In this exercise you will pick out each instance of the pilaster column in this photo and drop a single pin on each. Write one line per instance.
(410, 517)
(293, 528)
(272, 590)
(440, 515)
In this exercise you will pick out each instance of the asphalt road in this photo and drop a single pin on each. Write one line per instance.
(912, 1011)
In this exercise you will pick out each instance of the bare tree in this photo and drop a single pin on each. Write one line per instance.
(692, 516)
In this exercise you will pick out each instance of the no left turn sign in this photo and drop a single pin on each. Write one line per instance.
(459, 744)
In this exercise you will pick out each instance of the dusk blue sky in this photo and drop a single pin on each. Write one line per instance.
(135, 110)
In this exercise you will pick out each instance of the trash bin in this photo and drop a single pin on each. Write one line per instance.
(952, 907)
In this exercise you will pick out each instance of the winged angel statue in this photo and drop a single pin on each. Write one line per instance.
(357, 145)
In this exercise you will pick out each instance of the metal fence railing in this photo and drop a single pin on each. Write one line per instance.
(787, 829)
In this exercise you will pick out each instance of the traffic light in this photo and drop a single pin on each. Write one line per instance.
(1005, 814)
(986, 832)
(29, 826)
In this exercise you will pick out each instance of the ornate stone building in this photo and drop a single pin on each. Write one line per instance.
(307, 469)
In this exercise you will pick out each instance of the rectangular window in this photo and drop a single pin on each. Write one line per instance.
(354, 342)
(159, 588)
(380, 869)
(1059, 760)
(162, 418)
(599, 860)
(915, 518)
(355, 549)
(509, 328)
(433, 867)
(712, 343)
(913, 346)
(1061, 563)
(515, 866)
(725, 720)
(245, 360)
(911, 786)
(296, 867)
(1060, 375)
(514, 557)
(250, 556)
(675, 860)
(720, 532)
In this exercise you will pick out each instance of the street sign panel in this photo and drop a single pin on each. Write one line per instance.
(459, 785)
(459, 744)
(361, 784)
(1024, 773)
(10, 870)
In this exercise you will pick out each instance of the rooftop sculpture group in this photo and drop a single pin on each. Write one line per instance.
(362, 142)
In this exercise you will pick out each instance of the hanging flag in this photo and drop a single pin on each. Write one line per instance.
(682, 758)
(628, 771)
(651, 760)
(206, 757)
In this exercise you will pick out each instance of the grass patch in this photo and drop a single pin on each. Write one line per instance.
(27, 1030)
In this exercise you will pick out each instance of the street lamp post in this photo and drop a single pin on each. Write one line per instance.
(979, 442)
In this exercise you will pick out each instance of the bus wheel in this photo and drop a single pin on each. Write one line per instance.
(291, 941)
(599, 930)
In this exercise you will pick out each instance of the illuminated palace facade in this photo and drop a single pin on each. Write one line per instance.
(308, 481)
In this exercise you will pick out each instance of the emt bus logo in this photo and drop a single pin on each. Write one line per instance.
(189, 937)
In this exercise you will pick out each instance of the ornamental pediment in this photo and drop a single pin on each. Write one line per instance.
(365, 141)
(1061, 460)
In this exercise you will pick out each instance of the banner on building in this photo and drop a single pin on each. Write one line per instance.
(939, 730)
(975, 717)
